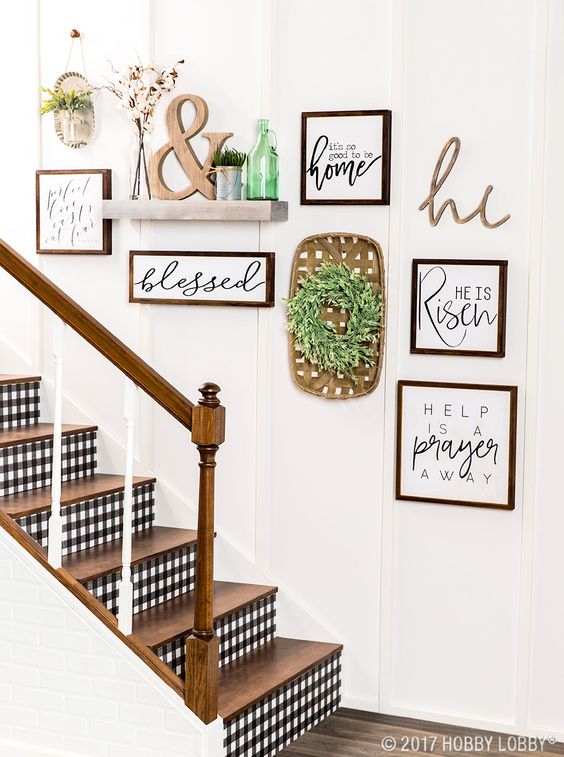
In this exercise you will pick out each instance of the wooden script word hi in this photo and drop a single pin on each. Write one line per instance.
(437, 182)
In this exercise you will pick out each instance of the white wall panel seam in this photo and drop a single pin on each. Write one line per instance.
(530, 428)
(391, 363)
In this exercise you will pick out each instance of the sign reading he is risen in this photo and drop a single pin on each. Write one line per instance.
(456, 444)
(458, 307)
(69, 211)
(202, 278)
(346, 157)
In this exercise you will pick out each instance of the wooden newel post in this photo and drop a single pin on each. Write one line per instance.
(202, 647)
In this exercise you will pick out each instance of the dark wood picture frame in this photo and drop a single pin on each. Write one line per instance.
(106, 223)
(501, 307)
(512, 450)
(386, 157)
(269, 257)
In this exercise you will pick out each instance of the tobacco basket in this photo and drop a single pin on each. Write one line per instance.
(363, 255)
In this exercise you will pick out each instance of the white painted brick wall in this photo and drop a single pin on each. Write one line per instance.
(69, 687)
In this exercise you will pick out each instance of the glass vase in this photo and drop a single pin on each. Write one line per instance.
(262, 165)
(71, 123)
(140, 189)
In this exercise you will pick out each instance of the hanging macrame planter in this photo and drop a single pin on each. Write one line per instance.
(336, 315)
(75, 127)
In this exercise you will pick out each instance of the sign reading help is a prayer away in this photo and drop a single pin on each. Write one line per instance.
(456, 443)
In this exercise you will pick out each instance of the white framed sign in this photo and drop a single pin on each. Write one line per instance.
(68, 208)
(458, 307)
(346, 157)
(202, 278)
(456, 443)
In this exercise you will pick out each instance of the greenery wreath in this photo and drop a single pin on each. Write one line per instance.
(339, 287)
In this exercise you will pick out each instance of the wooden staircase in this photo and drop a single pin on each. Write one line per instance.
(268, 690)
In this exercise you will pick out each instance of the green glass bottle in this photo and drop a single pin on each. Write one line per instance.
(262, 166)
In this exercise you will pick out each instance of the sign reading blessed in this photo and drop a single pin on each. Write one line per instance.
(456, 444)
(202, 278)
(346, 157)
(69, 211)
(458, 307)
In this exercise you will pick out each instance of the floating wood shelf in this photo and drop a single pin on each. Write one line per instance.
(186, 210)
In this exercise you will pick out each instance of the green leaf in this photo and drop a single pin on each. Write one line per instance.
(335, 286)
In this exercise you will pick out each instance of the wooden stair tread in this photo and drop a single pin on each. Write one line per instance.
(106, 558)
(37, 433)
(264, 670)
(77, 490)
(6, 378)
(159, 625)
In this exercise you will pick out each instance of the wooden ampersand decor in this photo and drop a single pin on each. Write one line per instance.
(437, 182)
(180, 138)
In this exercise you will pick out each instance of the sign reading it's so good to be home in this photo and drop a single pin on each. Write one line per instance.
(202, 278)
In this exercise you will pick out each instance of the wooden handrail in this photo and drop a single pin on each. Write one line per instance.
(140, 372)
(207, 423)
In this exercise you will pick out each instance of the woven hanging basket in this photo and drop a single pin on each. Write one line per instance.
(364, 256)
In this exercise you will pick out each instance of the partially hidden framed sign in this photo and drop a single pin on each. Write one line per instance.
(458, 307)
(456, 443)
(68, 207)
(202, 278)
(346, 157)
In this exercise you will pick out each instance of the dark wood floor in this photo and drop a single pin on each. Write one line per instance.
(350, 733)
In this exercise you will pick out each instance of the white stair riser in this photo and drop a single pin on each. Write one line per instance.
(154, 581)
(95, 521)
(273, 723)
(24, 467)
(19, 404)
(239, 633)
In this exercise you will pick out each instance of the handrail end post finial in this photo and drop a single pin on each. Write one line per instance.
(208, 418)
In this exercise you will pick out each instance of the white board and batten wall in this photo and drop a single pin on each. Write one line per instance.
(456, 616)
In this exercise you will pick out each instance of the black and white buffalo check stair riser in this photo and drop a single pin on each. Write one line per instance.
(271, 724)
(238, 633)
(28, 466)
(154, 581)
(260, 731)
(19, 404)
(94, 521)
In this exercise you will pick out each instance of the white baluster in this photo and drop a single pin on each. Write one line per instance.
(56, 521)
(125, 613)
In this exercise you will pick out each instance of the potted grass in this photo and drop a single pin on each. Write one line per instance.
(68, 104)
(228, 169)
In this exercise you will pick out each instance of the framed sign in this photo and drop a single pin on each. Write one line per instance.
(68, 207)
(458, 307)
(456, 443)
(346, 157)
(202, 278)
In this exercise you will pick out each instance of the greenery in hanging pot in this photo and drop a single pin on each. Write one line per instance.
(228, 169)
(68, 104)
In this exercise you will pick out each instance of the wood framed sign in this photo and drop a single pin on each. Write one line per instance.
(202, 278)
(456, 443)
(458, 307)
(68, 208)
(346, 157)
